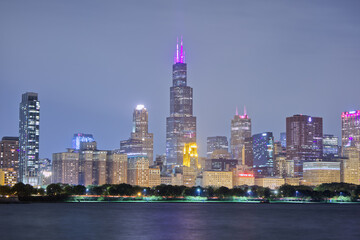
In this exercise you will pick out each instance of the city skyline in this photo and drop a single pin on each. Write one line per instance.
(66, 109)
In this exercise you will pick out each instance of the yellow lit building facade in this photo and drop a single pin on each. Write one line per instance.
(191, 164)
(316, 173)
(8, 177)
(217, 179)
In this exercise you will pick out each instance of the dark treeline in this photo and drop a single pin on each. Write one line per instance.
(56, 191)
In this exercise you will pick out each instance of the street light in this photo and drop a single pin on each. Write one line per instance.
(297, 193)
(198, 190)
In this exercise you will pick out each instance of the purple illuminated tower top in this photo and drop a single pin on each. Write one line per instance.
(179, 56)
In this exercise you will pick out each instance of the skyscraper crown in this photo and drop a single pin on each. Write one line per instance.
(179, 55)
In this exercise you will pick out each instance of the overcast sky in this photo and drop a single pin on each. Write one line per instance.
(92, 62)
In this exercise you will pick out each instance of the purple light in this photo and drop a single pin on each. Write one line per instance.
(179, 58)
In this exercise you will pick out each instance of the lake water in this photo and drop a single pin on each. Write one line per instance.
(178, 221)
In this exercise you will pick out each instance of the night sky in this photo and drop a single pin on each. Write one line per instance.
(92, 62)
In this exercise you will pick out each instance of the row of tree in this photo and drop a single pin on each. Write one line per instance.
(321, 192)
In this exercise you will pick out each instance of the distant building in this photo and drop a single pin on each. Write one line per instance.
(154, 176)
(292, 181)
(331, 147)
(216, 143)
(8, 177)
(116, 168)
(270, 182)
(29, 132)
(263, 150)
(81, 138)
(243, 175)
(283, 139)
(65, 167)
(220, 164)
(45, 171)
(350, 129)
(141, 141)
(166, 179)
(248, 152)
(283, 167)
(240, 129)
(217, 179)
(191, 164)
(138, 171)
(220, 153)
(350, 166)
(181, 124)
(303, 140)
(316, 173)
(9, 153)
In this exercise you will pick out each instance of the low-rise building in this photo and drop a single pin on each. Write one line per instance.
(350, 166)
(316, 173)
(138, 171)
(217, 179)
(270, 182)
(166, 179)
(292, 181)
(154, 176)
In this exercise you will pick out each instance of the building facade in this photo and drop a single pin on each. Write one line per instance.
(263, 150)
(29, 132)
(350, 129)
(9, 153)
(316, 173)
(350, 166)
(181, 124)
(141, 142)
(217, 179)
(216, 143)
(240, 129)
(8, 177)
(303, 140)
(138, 171)
(331, 147)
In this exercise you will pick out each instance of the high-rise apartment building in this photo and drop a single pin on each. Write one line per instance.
(216, 143)
(350, 129)
(240, 129)
(181, 124)
(9, 153)
(29, 127)
(141, 141)
(303, 140)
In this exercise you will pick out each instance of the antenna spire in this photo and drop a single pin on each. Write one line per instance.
(236, 112)
(244, 110)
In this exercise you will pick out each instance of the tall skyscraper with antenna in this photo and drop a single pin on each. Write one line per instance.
(181, 124)
(240, 129)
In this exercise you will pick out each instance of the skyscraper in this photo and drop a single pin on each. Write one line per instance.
(216, 143)
(350, 129)
(263, 150)
(29, 127)
(303, 140)
(181, 125)
(240, 129)
(141, 142)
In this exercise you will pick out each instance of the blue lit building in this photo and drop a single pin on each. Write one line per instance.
(79, 138)
(263, 150)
